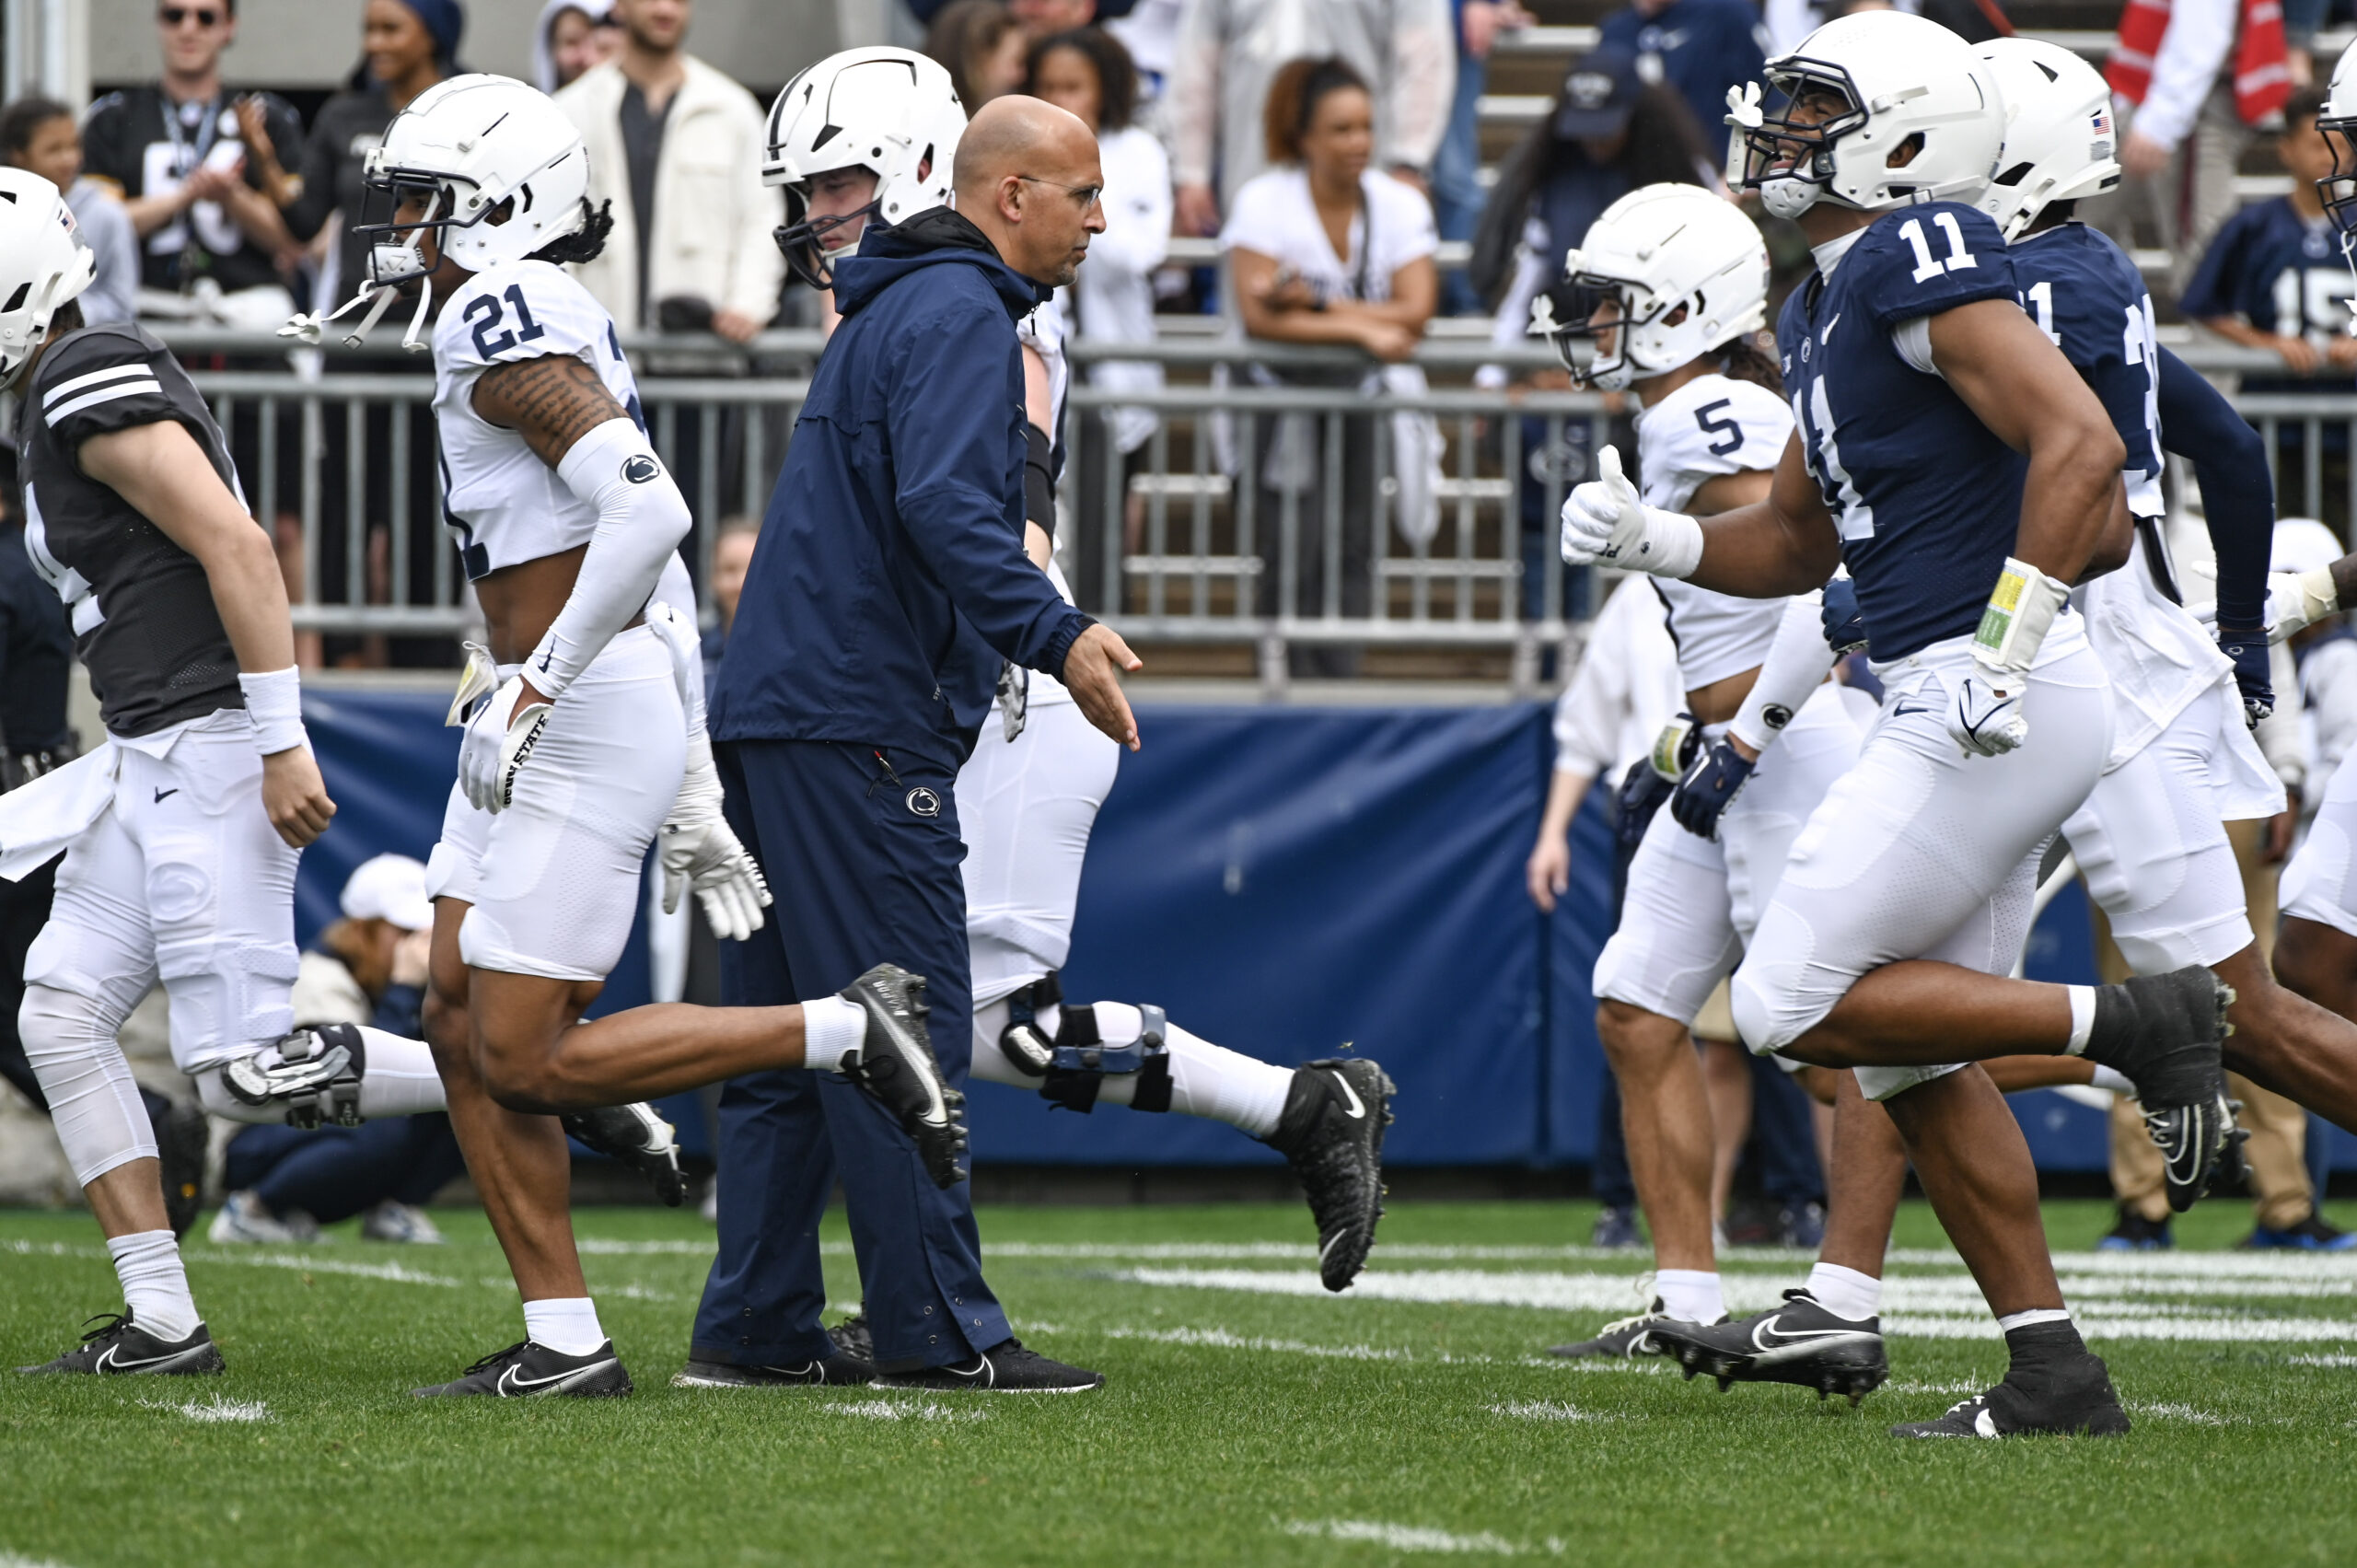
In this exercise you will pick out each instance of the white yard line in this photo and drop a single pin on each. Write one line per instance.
(1416, 1538)
(1547, 1409)
(890, 1409)
(218, 1408)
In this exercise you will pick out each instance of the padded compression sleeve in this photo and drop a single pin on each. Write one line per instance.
(1039, 480)
(2237, 493)
(642, 517)
(1797, 663)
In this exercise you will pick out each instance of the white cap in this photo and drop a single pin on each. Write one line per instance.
(2303, 544)
(391, 887)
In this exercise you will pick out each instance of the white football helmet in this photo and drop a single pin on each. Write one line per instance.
(498, 169)
(1869, 83)
(1686, 273)
(2059, 133)
(44, 262)
(2339, 121)
(890, 111)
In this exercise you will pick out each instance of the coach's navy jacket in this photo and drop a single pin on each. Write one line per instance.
(896, 533)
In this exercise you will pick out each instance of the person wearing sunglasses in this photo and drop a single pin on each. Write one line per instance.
(176, 150)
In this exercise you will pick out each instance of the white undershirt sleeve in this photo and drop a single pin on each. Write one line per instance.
(1797, 663)
(642, 517)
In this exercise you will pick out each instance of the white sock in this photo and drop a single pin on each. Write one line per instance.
(2013, 1320)
(831, 1029)
(567, 1325)
(1845, 1293)
(154, 1284)
(2083, 1017)
(2112, 1078)
(1212, 1081)
(1691, 1295)
(401, 1079)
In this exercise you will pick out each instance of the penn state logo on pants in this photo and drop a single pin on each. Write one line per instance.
(923, 802)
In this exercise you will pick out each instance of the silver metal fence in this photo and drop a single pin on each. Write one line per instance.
(1187, 539)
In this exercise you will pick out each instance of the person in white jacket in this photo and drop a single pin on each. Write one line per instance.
(676, 145)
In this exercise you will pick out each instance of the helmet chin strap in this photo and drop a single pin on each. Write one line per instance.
(1788, 196)
(378, 296)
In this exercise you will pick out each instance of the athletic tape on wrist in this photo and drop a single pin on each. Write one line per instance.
(2021, 607)
(274, 703)
(1672, 546)
(2320, 594)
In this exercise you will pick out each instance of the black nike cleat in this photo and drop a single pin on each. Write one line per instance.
(2164, 1033)
(833, 1371)
(635, 1135)
(895, 1067)
(181, 1137)
(1331, 1134)
(119, 1348)
(854, 1337)
(1799, 1343)
(2069, 1397)
(1004, 1368)
(1625, 1338)
(525, 1371)
(314, 1075)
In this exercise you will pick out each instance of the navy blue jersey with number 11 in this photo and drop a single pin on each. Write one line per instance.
(1927, 499)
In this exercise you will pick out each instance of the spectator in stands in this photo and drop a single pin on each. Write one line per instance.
(174, 152)
(1230, 52)
(39, 135)
(2195, 79)
(1150, 32)
(1458, 193)
(676, 147)
(732, 557)
(573, 35)
(1607, 134)
(406, 47)
(1042, 20)
(1786, 22)
(981, 46)
(1323, 249)
(368, 967)
(1697, 48)
(1088, 72)
(2273, 277)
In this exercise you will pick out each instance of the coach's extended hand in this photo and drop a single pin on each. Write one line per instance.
(1093, 671)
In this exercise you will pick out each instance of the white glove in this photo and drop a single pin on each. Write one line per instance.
(1984, 717)
(700, 851)
(498, 742)
(2296, 601)
(1605, 521)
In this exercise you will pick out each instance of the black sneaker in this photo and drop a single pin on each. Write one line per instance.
(896, 1068)
(182, 1137)
(2073, 1397)
(854, 1337)
(525, 1371)
(1798, 1342)
(833, 1371)
(1629, 1337)
(1004, 1368)
(1331, 1134)
(119, 1348)
(2164, 1032)
(1616, 1227)
(2315, 1234)
(2134, 1233)
(314, 1073)
(635, 1135)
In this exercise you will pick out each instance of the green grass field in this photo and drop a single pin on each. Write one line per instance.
(1249, 1417)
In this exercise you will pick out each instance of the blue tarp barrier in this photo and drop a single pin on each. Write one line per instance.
(1289, 882)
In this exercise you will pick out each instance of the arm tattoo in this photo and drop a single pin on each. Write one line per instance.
(551, 402)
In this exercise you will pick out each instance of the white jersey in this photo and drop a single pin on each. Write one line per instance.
(1712, 426)
(1042, 331)
(504, 505)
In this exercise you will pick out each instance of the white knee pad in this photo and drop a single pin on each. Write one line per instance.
(93, 1100)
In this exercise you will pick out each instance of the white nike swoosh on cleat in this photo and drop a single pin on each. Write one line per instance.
(1985, 1425)
(110, 1359)
(1357, 1112)
(513, 1387)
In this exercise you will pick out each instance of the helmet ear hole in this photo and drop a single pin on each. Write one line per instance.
(2014, 175)
(16, 300)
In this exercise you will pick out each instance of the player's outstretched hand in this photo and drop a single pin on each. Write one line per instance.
(1986, 719)
(294, 797)
(1093, 670)
(499, 741)
(1606, 520)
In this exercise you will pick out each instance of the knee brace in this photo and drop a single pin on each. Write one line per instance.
(93, 1100)
(302, 1079)
(1071, 1056)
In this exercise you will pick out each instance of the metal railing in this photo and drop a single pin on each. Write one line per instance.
(1193, 538)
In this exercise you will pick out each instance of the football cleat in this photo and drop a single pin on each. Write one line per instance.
(1799, 1343)
(635, 1135)
(2315, 1234)
(1004, 1368)
(526, 1370)
(895, 1067)
(1331, 1131)
(1627, 1337)
(2164, 1032)
(854, 1337)
(314, 1072)
(119, 1348)
(2071, 1397)
(833, 1371)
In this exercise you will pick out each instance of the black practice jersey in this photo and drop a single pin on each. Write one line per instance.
(143, 145)
(142, 608)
